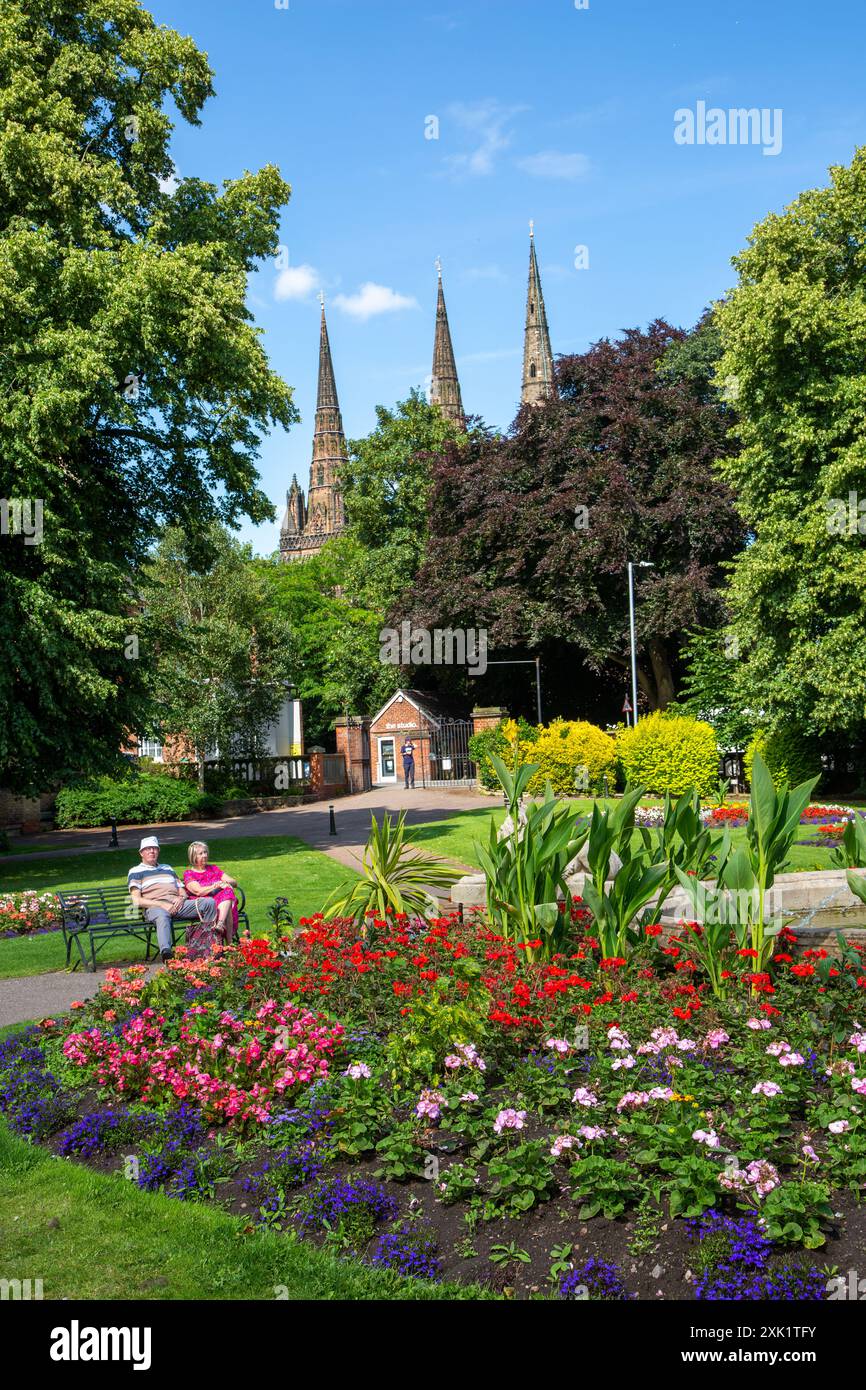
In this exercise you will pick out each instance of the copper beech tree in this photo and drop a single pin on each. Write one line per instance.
(530, 534)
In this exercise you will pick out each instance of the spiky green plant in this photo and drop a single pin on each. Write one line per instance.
(393, 874)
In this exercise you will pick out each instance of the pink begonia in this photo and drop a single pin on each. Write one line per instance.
(808, 1152)
(858, 1084)
(708, 1137)
(758, 1024)
(685, 1045)
(583, 1096)
(633, 1098)
(672, 1060)
(470, 1056)
(839, 1126)
(661, 1093)
(858, 1040)
(357, 1070)
(563, 1141)
(591, 1132)
(792, 1059)
(649, 1049)
(626, 1062)
(452, 1062)
(509, 1119)
(469, 1096)
(665, 1037)
(430, 1104)
(775, 1049)
(716, 1037)
(766, 1088)
(558, 1044)
(617, 1039)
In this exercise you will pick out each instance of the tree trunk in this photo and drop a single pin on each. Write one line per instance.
(664, 680)
(199, 753)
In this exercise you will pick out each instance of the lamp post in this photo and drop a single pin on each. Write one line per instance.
(643, 565)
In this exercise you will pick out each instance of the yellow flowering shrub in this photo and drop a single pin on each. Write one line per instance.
(569, 747)
(669, 753)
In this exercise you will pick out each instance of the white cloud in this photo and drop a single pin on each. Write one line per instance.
(296, 282)
(372, 299)
(485, 123)
(172, 183)
(553, 164)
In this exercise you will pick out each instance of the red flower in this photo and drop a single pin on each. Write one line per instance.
(752, 954)
(654, 929)
(802, 971)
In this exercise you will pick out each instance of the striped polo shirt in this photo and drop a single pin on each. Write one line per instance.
(158, 882)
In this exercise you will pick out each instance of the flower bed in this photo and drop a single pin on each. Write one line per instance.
(424, 1096)
(28, 914)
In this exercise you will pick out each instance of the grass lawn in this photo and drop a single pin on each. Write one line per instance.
(267, 867)
(455, 837)
(86, 1235)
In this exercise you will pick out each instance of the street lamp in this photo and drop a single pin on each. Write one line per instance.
(643, 565)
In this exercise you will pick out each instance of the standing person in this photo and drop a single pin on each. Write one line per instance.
(157, 890)
(408, 751)
(206, 879)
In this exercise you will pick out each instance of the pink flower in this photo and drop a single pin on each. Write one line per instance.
(562, 1142)
(665, 1037)
(617, 1039)
(469, 1097)
(758, 1024)
(357, 1070)
(808, 1152)
(686, 1045)
(792, 1059)
(766, 1088)
(632, 1099)
(708, 1137)
(591, 1132)
(560, 1045)
(858, 1040)
(626, 1062)
(452, 1062)
(583, 1096)
(858, 1084)
(775, 1049)
(715, 1038)
(430, 1104)
(509, 1119)
(839, 1126)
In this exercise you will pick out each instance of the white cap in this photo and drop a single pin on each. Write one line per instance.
(149, 842)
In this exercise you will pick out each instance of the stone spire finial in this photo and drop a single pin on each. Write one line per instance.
(538, 382)
(445, 385)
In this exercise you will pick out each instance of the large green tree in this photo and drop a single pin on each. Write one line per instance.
(794, 337)
(222, 659)
(134, 388)
(337, 602)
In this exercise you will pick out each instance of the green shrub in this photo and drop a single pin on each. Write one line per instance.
(669, 753)
(566, 747)
(791, 755)
(132, 800)
(497, 739)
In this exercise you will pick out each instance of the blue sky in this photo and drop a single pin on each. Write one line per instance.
(544, 111)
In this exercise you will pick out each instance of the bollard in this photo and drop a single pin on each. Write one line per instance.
(114, 843)
(333, 822)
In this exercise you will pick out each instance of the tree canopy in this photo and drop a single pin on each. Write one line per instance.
(530, 534)
(134, 388)
(794, 338)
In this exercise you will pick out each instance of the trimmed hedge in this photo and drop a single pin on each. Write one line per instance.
(132, 800)
(669, 753)
(791, 756)
(567, 747)
(498, 739)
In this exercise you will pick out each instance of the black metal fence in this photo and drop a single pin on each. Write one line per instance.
(448, 763)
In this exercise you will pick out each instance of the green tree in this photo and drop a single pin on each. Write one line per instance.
(222, 658)
(794, 338)
(134, 388)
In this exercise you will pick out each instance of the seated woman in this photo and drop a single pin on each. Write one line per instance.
(204, 879)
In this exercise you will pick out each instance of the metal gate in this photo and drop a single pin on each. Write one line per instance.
(448, 763)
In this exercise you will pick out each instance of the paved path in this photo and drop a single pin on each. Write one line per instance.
(309, 823)
(40, 996)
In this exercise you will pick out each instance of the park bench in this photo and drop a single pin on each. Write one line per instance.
(92, 915)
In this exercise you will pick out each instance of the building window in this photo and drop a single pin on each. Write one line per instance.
(532, 369)
(149, 748)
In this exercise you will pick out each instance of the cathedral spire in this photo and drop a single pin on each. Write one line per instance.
(310, 521)
(538, 383)
(445, 385)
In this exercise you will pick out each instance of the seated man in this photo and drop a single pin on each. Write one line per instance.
(157, 890)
